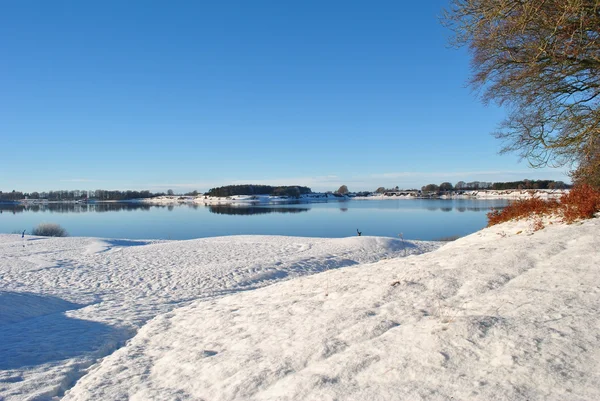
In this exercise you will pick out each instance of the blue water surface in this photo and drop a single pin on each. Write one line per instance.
(425, 219)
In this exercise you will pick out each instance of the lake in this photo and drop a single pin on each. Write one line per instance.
(425, 219)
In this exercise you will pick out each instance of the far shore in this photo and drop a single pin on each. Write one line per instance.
(484, 194)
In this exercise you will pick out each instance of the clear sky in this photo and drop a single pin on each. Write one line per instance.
(195, 94)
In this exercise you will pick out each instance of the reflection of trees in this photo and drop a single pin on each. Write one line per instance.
(75, 207)
(343, 209)
(250, 210)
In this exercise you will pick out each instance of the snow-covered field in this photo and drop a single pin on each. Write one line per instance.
(66, 302)
(503, 314)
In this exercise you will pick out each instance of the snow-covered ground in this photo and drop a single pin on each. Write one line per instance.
(236, 199)
(503, 314)
(507, 313)
(515, 194)
(67, 302)
(510, 194)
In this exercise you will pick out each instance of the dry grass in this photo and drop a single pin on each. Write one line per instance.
(582, 202)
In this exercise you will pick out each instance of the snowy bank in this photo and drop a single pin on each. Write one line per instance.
(238, 199)
(503, 314)
(484, 194)
(66, 302)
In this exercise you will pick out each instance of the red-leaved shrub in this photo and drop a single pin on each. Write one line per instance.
(581, 202)
(523, 208)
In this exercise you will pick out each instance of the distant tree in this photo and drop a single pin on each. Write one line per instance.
(343, 190)
(446, 186)
(560, 185)
(472, 185)
(461, 185)
(541, 59)
(170, 192)
(430, 188)
(380, 190)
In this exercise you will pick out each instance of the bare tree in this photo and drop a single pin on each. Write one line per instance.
(343, 190)
(541, 59)
(588, 171)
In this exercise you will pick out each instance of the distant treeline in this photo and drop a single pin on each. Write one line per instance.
(531, 184)
(477, 185)
(231, 190)
(99, 194)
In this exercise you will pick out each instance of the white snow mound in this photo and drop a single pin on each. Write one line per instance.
(67, 302)
(493, 316)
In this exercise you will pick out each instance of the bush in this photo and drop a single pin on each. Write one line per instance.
(523, 208)
(582, 202)
(49, 230)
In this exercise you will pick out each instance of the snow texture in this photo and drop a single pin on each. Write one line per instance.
(65, 303)
(503, 314)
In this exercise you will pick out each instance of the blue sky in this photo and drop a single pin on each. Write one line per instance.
(196, 94)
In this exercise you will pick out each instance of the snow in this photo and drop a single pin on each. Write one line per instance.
(514, 194)
(509, 194)
(67, 302)
(242, 200)
(507, 313)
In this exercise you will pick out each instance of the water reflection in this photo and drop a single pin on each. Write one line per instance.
(218, 209)
(74, 207)
(418, 219)
(252, 210)
(462, 209)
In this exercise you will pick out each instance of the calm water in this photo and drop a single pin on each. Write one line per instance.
(426, 219)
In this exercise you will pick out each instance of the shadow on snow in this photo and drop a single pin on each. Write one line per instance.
(35, 330)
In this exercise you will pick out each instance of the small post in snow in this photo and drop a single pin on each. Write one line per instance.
(403, 244)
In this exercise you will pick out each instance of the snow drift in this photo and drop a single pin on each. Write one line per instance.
(503, 314)
(67, 302)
